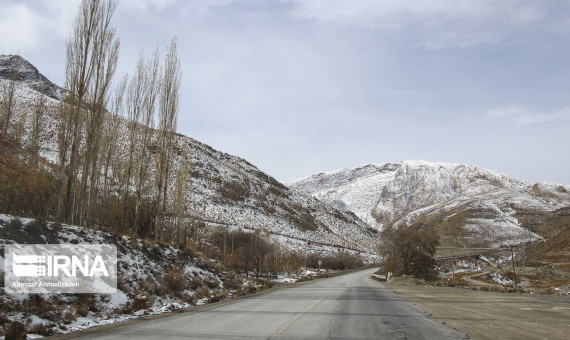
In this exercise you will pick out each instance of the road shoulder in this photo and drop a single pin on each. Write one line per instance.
(489, 315)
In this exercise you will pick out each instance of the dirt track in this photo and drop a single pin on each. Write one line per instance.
(487, 315)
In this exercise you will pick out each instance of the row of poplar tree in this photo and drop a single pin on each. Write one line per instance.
(94, 182)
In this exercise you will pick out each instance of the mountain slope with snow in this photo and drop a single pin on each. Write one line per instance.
(463, 202)
(221, 189)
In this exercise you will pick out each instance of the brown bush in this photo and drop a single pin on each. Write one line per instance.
(86, 303)
(82, 311)
(26, 189)
(410, 251)
(69, 316)
(246, 290)
(509, 275)
(265, 284)
(218, 295)
(16, 331)
(202, 292)
(176, 279)
(211, 282)
(142, 301)
(42, 330)
(234, 190)
(231, 282)
(35, 304)
(195, 282)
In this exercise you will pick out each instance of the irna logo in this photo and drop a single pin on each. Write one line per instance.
(60, 268)
(56, 265)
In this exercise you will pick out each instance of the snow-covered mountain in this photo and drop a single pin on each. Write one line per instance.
(465, 203)
(221, 189)
(19, 69)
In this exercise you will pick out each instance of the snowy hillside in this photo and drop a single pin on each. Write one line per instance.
(152, 278)
(483, 204)
(221, 189)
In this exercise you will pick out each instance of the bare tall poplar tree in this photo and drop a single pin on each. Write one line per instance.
(38, 115)
(152, 86)
(134, 103)
(168, 113)
(106, 64)
(91, 54)
(182, 176)
(111, 133)
(8, 101)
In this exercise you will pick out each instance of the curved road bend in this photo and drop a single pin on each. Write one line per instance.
(351, 306)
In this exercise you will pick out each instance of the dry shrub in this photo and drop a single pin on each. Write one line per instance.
(202, 292)
(42, 330)
(69, 316)
(509, 275)
(219, 268)
(265, 284)
(150, 286)
(218, 295)
(188, 297)
(57, 227)
(86, 303)
(82, 311)
(16, 331)
(3, 320)
(176, 279)
(305, 278)
(211, 282)
(188, 249)
(142, 301)
(232, 283)
(155, 252)
(246, 290)
(195, 282)
(454, 281)
(35, 304)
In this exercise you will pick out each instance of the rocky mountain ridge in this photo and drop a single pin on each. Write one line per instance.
(16, 68)
(466, 204)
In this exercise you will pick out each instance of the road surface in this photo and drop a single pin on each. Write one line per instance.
(351, 306)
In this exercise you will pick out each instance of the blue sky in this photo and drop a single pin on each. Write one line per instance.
(300, 87)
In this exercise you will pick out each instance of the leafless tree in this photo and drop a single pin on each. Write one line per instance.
(111, 133)
(168, 112)
(8, 101)
(38, 114)
(141, 105)
(106, 64)
(134, 104)
(151, 87)
(180, 202)
(91, 56)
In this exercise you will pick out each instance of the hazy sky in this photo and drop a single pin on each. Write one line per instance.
(303, 86)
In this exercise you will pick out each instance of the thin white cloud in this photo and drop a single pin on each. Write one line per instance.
(438, 24)
(26, 26)
(146, 4)
(20, 28)
(198, 6)
(523, 116)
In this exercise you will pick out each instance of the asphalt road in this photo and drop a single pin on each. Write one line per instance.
(352, 306)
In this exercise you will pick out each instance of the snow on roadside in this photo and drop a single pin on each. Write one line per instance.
(143, 282)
